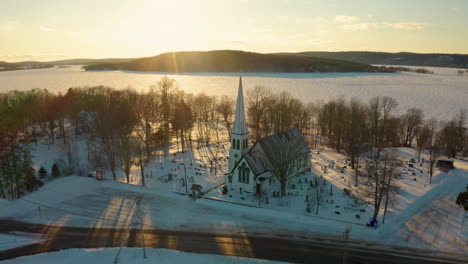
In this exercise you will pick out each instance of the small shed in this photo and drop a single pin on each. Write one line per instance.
(445, 165)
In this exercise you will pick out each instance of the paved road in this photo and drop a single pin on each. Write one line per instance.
(299, 250)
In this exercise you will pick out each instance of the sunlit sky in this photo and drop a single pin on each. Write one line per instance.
(62, 29)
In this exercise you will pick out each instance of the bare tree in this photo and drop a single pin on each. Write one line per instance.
(380, 173)
(460, 119)
(389, 104)
(380, 113)
(166, 88)
(423, 138)
(145, 108)
(182, 121)
(256, 107)
(433, 146)
(204, 112)
(127, 155)
(225, 108)
(112, 119)
(412, 122)
(318, 192)
(141, 160)
(283, 156)
(355, 132)
(392, 170)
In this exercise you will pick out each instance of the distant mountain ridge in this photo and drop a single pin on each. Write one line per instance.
(387, 58)
(231, 60)
(234, 61)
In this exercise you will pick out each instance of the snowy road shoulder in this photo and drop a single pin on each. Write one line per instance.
(18, 239)
(131, 256)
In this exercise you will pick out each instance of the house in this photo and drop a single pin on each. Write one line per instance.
(250, 169)
(445, 165)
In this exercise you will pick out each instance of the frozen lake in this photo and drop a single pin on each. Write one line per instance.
(440, 95)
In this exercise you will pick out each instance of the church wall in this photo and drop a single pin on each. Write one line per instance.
(236, 185)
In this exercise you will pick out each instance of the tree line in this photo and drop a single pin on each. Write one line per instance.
(124, 128)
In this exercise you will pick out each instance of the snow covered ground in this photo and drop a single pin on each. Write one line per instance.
(130, 256)
(424, 215)
(17, 239)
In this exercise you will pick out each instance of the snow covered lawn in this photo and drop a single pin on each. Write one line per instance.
(130, 256)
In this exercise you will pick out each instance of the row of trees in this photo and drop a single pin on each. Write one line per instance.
(354, 128)
(270, 113)
(123, 128)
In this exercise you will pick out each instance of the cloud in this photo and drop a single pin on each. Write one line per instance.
(408, 25)
(360, 26)
(47, 29)
(376, 25)
(346, 19)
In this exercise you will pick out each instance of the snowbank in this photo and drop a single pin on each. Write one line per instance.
(130, 256)
(18, 239)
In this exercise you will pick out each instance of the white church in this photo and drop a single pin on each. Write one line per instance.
(249, 168)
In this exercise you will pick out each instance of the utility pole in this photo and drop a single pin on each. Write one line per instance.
(124, 239)
(141, 227)
(346, 238)
(186, 183)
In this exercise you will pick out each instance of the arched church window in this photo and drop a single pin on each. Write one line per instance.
(247, 177)
(239, 176)
(233, 143)
(230, 178)
(243, 172)
(238, 144)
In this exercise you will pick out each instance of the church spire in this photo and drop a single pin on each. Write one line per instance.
(240, 124)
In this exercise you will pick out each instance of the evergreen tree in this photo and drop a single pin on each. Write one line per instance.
(28, 171)
(42, 172)
(55, 170)
(462, 199)
(16, 172)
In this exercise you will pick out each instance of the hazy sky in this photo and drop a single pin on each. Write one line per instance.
(58, 29)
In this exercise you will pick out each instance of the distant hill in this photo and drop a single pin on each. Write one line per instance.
(11, 66)
(89, 61)
(400, 58)
(234, 61)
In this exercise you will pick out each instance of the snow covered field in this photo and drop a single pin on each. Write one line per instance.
(423, 216)
(130, 256)
(440, 94)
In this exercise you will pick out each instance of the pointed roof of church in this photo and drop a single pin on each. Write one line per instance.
(240, 124)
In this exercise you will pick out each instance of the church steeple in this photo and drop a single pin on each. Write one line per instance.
(240, 125)
(240, 131)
